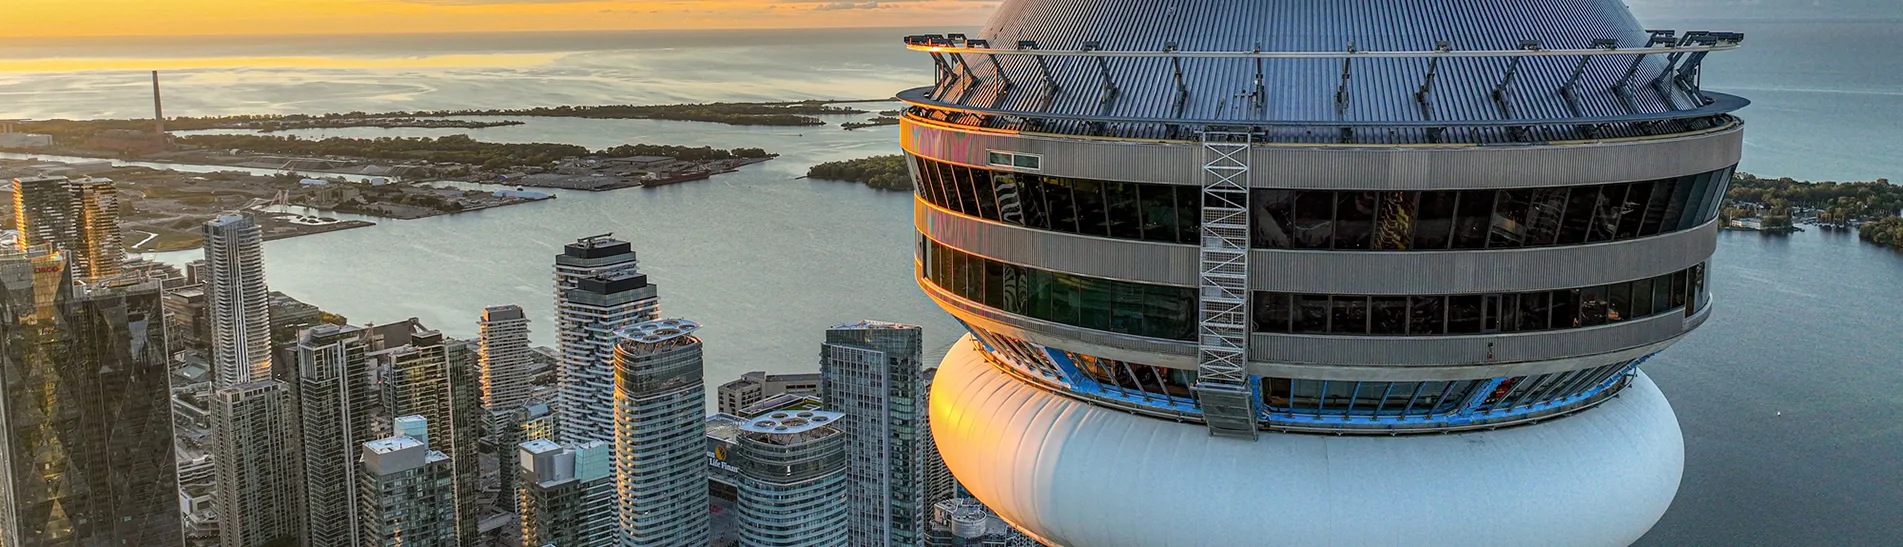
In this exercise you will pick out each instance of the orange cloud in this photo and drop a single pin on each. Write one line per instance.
(38, 18)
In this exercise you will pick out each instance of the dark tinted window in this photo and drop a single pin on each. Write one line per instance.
(1350, 315)
(1314, 219)
(1432, 315)
(1509, 218)
(1331, 219)
(1354, 219)
(1579, 210)
(1091, 210)
(1427, 315)
(1189, 214)
(1272, 311)
(1159, 212)
(1435, 220)
(1125, 215)
(1274, 212)
(1473, 219)
(1063, 206)
(1311, 313)
(1388, 315)
(1156, 311)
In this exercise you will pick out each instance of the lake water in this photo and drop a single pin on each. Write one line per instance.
(1806, 324)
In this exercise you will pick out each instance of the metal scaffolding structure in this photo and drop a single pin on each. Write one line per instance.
(1228, 402)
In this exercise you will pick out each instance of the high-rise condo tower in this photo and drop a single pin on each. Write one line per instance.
(660, 435)
(240, 301)
(597, 291)
(1346, 272)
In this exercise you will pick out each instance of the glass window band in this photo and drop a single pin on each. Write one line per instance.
(1122, 307)
(1463, 314)
(1334, 219)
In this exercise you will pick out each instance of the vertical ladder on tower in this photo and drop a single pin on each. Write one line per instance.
(1228, 400)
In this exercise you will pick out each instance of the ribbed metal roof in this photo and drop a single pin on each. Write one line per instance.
(1378, 89)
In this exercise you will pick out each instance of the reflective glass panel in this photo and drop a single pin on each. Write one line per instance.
(1354, 219)
(1314, 219)
(1436, 221)
(1274, 218)
(1473, 219)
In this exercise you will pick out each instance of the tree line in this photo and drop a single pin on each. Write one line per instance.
(455, 149)
(882, 172)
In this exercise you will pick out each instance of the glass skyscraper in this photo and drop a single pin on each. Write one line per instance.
(85, 410)
(870, 371)
(660, 435)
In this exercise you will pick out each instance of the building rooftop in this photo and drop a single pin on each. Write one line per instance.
(790, 422)
(600, 246)
(655, 332)
(508, 312)
(392, 445)
(873, 325)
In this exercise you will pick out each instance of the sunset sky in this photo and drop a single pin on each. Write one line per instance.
(201, 17)
(195, 17)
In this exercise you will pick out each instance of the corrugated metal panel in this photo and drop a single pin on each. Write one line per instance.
(1473, 350)
(1305, 89)
(1367, 168)
(1480, 271)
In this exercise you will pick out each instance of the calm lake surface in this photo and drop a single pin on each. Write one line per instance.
(1807, 325)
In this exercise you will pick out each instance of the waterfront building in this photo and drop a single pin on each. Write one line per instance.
(504, 357)
(240, 301)
(406, 496)
(86, 453)
(532, 420)
(567, 494)
(1274, 257)
(597, 291)
(756, 386)
(256, 455)
(77, 216)
(792, 490)
(435, 377)
(337, 411)
(659, 405)
(871, 373)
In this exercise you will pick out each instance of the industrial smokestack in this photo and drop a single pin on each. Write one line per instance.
(158, 105)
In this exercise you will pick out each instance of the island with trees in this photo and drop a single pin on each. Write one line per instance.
(881, 172)
(1773, 205)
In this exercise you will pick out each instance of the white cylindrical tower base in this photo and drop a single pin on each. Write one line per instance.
(1078, 475)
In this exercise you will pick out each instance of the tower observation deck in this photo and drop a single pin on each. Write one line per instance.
(1225, 263)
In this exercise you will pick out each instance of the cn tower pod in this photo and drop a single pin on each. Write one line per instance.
(1331, 272)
